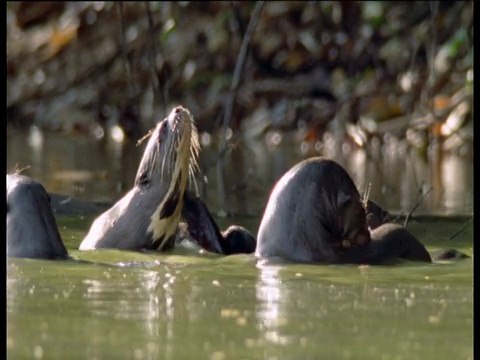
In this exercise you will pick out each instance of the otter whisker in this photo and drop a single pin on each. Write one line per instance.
(193, 181)
(194, 150)
(366, 195)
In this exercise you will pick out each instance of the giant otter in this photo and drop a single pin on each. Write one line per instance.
(328, 222)
(147, 216)
(32, 230)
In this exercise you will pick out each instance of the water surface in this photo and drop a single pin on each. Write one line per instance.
(188, 304)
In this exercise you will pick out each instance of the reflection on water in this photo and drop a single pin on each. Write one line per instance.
(228, 308)
(74, 165)
(357, 317)
(138, 299)
(270, 314)
(99, 294)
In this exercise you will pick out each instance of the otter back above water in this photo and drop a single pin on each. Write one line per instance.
(147, 216)
(311, 210)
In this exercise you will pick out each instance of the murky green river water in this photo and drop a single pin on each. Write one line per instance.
(190, 305)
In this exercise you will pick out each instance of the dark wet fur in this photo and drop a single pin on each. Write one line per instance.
(390, 242)
(376, 216)
(312, 210)
(204, 231)
(448, 254)
(32, 230)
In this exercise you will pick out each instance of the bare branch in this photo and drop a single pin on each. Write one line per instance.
(461, 229)
(407, 218)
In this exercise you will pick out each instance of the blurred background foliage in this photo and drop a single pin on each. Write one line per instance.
(365, 71)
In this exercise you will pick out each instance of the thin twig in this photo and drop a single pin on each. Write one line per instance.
(127, 61)
(461, 229)
(407, 218)
(238, 70)
(159, 89)
(433, 33)
(231, 100)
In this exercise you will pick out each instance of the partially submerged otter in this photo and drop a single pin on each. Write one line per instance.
(328, 222)
(32, 230)
(147, 216)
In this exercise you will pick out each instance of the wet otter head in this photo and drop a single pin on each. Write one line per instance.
(171, 156)
(172, 149)
(31, 226)
(147, 216)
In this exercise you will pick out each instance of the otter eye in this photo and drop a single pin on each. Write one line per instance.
(143, 180)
